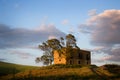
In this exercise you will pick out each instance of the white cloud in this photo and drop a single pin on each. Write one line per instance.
(52, 37)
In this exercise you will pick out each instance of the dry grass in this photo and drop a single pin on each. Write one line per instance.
(79, 72)
(62, 72)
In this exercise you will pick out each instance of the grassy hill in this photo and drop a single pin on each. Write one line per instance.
(9, 68)
(66, 72)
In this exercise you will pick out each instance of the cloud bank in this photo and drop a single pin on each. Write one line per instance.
(104, 29)
(17, 37)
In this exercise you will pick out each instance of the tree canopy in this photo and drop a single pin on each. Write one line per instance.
(55, 44)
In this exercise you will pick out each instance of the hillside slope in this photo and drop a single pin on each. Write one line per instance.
(9, 68)
(65, 72)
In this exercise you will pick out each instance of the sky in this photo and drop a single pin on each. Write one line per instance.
(24, 24)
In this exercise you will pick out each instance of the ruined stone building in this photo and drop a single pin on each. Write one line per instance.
(72, 56)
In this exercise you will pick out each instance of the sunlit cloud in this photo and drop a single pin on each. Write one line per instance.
(104, 28)
(52, 37)
(104, 31)
(106, 58)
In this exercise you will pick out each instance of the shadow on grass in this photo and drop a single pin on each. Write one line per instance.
(9, 70)
(66, 77)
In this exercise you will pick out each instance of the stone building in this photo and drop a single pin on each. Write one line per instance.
(74, 56)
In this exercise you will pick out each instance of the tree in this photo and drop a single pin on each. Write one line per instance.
(70, 41)
(54, 44)
(47, 57)
(48, 47)
(47, 60)
(62, 41)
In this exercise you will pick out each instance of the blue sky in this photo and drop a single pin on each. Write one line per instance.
(24, 24)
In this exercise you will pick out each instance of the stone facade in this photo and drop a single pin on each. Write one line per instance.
(77, 56)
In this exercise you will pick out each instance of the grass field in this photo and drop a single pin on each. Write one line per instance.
(62, 72)
(9, 68)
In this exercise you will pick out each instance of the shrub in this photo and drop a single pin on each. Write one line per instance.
(57, 66)
(113, 68)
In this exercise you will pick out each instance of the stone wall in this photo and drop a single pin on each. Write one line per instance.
(59, 59)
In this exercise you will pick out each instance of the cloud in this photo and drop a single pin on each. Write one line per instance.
(109, 53)
(107, 28)
(51, 37)
(97, 61)
(92, 12)
(65, 22)
(115, 55)
(104, 29)
(20, 54)
(17, 37)
(72, 29)
(85, 28)
(1, 59)
(106, 58)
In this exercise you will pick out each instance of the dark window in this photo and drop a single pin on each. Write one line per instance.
(71, 57)
(78, 62)
(80, 56)
(70, 62)
(87, 62)
(87, 57)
